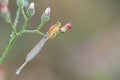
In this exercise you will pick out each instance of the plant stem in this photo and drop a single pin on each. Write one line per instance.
(40, 26)
(25, 23)
(12, 41)
(15, 35)
(13, 28)
(34, 31)
(24, 27)
(24, 15)
(17, 17)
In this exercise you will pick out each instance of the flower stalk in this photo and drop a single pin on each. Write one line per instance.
(11, 43)
(54, 32)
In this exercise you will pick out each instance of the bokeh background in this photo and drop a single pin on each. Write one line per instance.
(89, 51)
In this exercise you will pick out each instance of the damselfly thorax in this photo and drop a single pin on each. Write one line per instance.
(54, 30)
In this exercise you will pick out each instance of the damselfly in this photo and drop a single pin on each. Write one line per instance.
(35, 51)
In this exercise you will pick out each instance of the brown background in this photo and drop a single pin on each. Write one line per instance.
(90, 51)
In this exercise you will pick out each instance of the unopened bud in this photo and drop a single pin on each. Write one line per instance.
(46, 15)
(32, 5)
(4, 11)
(31, 10)
(66, 27)
(47, 11)
(3, 7)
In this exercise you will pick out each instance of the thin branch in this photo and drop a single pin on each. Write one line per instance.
(2, 58)
(17, 17)
(34, 31)
(13, 28)
(24, 15)
(40, 26)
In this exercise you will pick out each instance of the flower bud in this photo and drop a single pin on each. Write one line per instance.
(3, 7)
(20, 3)
(4, 11)
(47, 11)
(66, 27)
(46, 15)
(32, 5)
(31, 10)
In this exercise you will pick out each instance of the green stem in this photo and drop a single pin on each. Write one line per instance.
(40, 26)
(2, 58)
(17, 17)
(24, 27)
(25, 23)
(12, 41)
(24, 15)
(13, 28)
(34, 31)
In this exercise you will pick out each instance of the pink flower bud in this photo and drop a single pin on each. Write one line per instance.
(31, 10)
(3, 4)
(68, 26)
(47, 11)
(32, 5)
(3, 7)
(45, 16)
(4, 11)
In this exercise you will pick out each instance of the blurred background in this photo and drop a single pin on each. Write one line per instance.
(89, 51)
